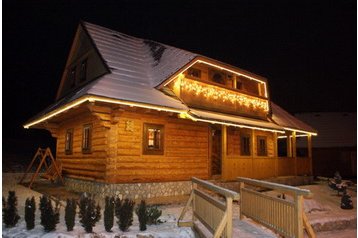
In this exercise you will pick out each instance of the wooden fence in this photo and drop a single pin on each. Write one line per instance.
(284, 216)
(211, 211)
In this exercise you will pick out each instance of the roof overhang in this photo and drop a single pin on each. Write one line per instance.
(189, 113)
(218, 65)
(93, 98)
(232, 120)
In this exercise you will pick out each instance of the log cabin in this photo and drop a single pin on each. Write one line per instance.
(131, 110)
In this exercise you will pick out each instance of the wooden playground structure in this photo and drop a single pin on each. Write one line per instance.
(53, 168)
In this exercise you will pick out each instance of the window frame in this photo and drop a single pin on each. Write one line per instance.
(243, 151)
(87, 140)
(192, 71)
(69, 141)
(153, 151)
(259, 150)
(82, 77)
(72, 76)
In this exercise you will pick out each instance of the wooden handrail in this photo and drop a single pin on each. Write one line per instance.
(220, 190)
(275, 186)
(285, 217)
(213, 213)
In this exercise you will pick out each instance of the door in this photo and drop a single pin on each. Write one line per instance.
(215, 151)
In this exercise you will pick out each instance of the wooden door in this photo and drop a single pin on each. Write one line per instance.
(216, 159)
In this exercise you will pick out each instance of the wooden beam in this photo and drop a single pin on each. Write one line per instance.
(289, 144)
(275, 152)
(309, 148)
(224, 170)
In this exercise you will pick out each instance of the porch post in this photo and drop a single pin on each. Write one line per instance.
(294, 150)
(275, 153)
(289, 144)
(224, 152)
(309, 147)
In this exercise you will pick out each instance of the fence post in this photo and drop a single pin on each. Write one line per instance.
(298, 213)
(229, 217)
(241, 186)
(195, 186)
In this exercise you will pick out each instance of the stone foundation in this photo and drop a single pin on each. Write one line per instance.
(130, 190)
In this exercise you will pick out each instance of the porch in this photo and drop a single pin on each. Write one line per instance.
(279, 154)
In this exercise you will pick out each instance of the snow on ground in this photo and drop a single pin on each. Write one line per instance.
(322, 208)
(167, 229)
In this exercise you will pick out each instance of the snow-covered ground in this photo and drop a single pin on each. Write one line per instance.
(323, 207)
(167, 229)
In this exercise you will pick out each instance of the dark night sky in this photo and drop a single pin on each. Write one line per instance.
(306, 49)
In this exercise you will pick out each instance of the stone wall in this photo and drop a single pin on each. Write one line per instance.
(130, 190)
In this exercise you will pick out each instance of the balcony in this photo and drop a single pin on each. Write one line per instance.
(215, 97)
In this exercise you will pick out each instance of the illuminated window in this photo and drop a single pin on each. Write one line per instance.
(245, 145)
(261, 146)
(83, 71)
(153, 139)
(72, 76)
(86, 138)
(196, 73)
(69, 141)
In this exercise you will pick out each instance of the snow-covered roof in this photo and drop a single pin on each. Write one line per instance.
(137, 66)
(286, 120)
(135, 60)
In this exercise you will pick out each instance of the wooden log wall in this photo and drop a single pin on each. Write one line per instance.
(252, 166)
(117, 153)
(186, 152)
(88, 166)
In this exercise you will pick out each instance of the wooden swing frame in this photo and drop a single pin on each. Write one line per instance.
(52, 171)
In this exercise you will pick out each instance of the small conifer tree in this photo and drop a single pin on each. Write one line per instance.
(49, 216)
(108, 213)
(124, 213)
(89, 212)
(70, 214)
(142, 214)
(153, 215)
(30, 209)
(10, 214)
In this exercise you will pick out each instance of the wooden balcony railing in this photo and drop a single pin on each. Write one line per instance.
(284, 216)
(214, 214)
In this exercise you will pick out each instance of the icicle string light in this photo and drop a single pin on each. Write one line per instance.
(217, 93)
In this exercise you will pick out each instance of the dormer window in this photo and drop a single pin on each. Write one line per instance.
(83, 71)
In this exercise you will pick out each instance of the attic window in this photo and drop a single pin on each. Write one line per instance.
(196, 73)
(83, 71)
(217, 77)
(72, 76)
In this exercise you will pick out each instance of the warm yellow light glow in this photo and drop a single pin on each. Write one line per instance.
(300, 131)
(222, 68)
(232, 124)
(56, 112)
(99, 99)
(304, 135)
(218, 93)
